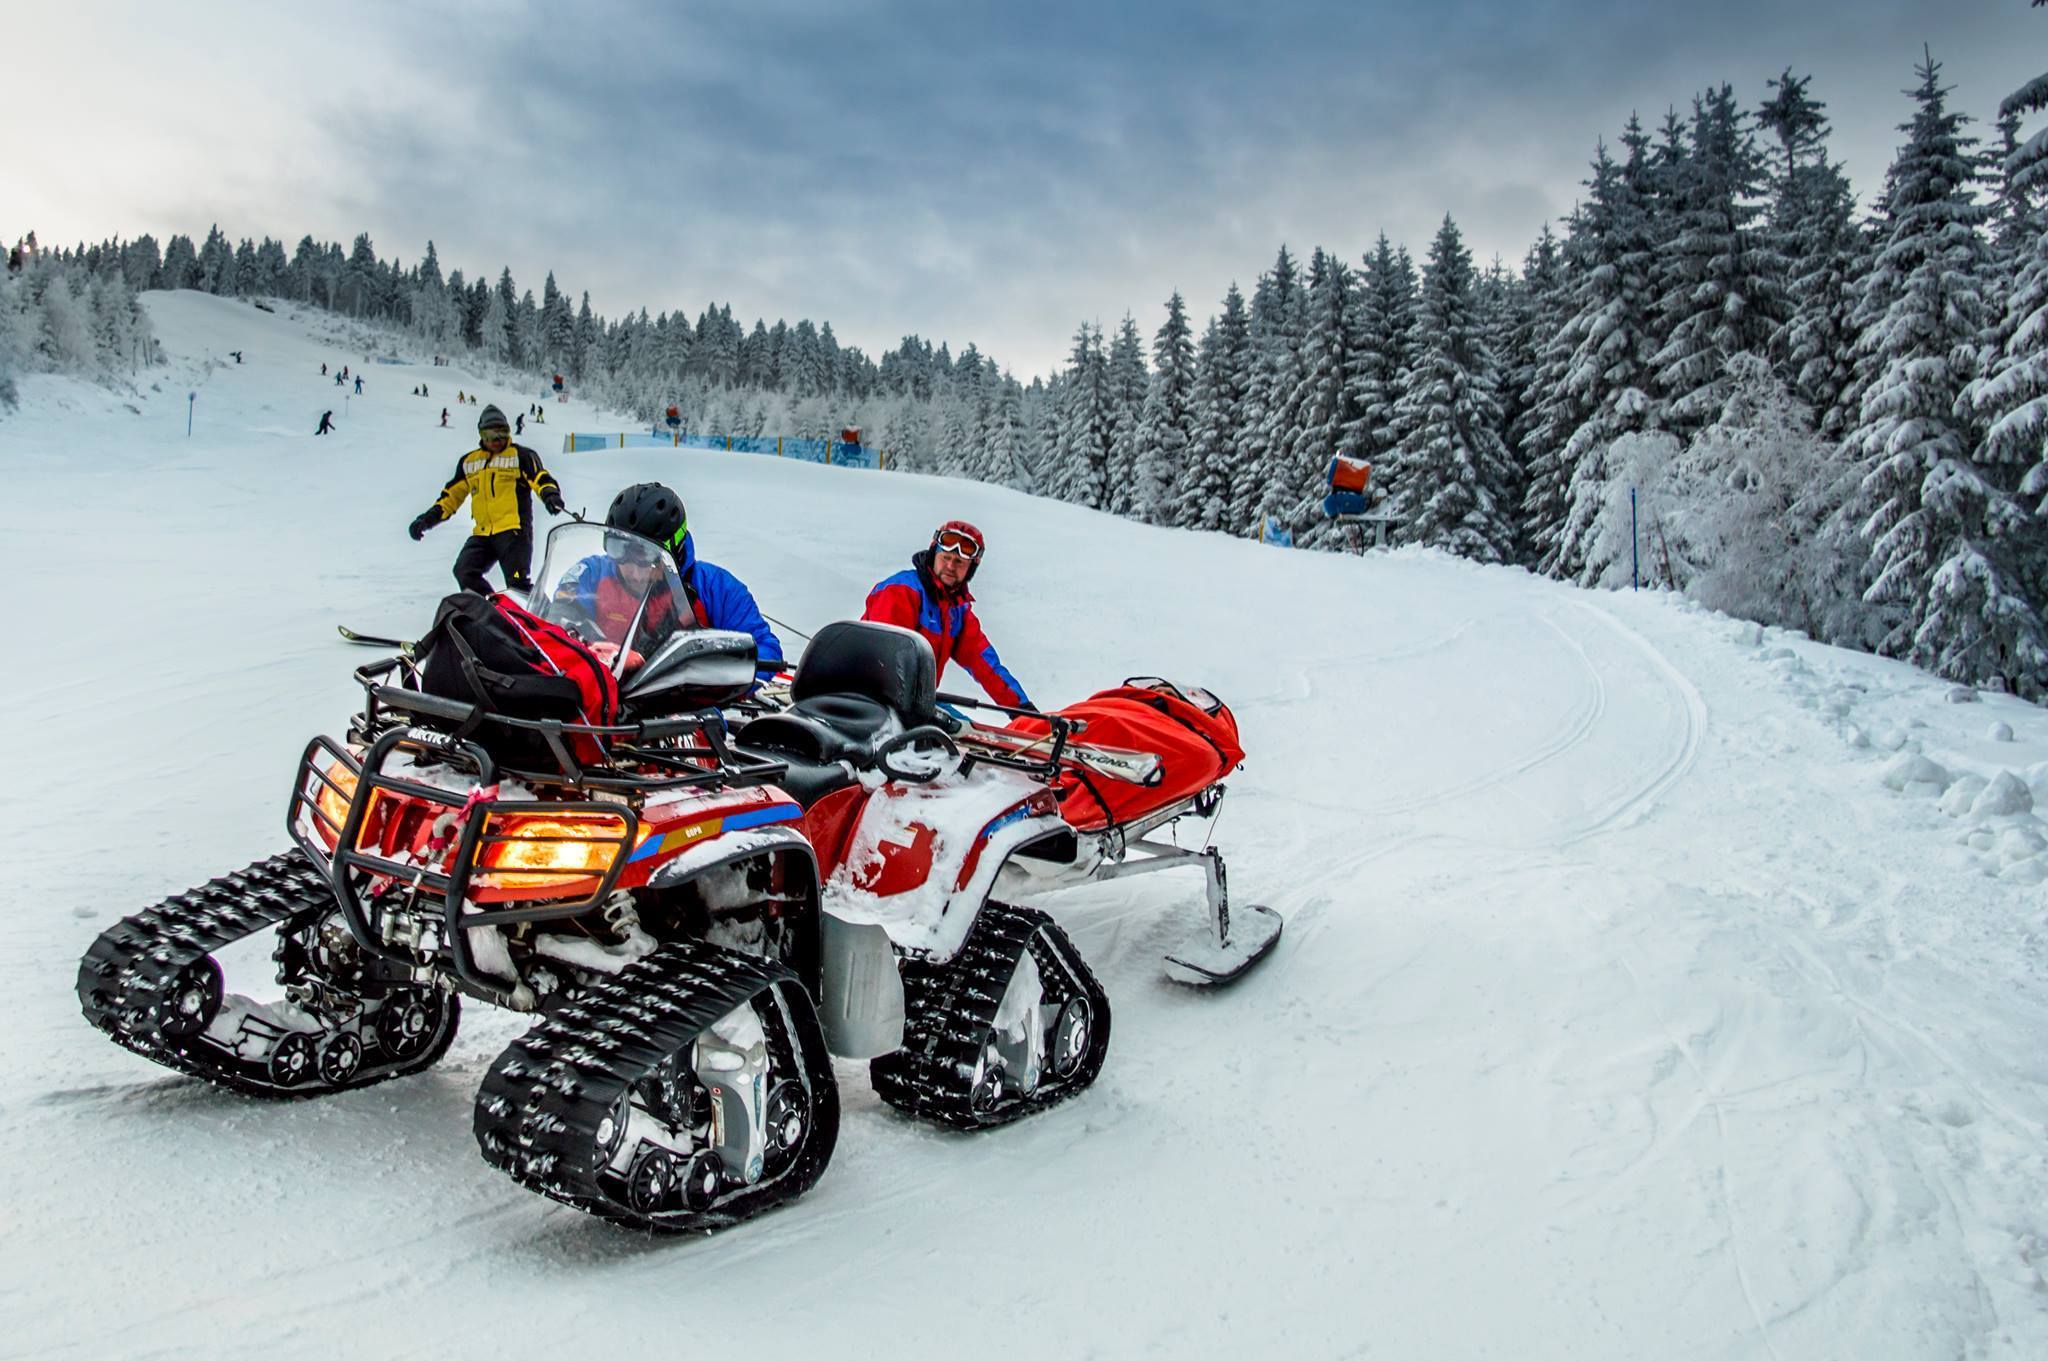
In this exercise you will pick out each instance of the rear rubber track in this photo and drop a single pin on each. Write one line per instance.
(950, 1011)
(129, 983)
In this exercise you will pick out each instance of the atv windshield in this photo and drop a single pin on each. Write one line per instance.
(612, 588)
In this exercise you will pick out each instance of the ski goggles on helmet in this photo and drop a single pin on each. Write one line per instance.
(631, 549)
(953, 541)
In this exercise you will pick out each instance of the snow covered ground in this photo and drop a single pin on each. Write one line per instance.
(1642, 994)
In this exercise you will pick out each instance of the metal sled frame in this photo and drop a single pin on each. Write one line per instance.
(1233, 943)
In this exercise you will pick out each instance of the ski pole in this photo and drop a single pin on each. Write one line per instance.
(792, 628)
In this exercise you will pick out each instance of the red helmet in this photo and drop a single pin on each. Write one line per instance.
(960, 537)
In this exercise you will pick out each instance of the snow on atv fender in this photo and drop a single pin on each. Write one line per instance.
(922, 859)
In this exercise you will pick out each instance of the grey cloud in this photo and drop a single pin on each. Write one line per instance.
(998, 176)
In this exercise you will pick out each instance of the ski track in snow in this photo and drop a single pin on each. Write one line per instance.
(1621, 1012)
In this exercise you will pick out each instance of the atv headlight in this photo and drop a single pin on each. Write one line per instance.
(548, 855)
(337, 790)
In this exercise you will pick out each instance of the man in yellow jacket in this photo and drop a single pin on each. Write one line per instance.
(500, 480)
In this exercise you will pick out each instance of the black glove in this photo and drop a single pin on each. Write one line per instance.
(553, 501)
(423, 522)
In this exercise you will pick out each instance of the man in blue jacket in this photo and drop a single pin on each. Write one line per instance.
(718, 599)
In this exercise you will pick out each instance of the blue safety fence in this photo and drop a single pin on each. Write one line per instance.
(835, 453)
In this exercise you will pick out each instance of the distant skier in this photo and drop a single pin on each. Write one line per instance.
(359, 387)
(338, 380)
(326, 423)
(675, 417)
(237, 354)
(519, 425)
(424, 392)
(323, 370)
(444, 418)
(540, 416)
(499, 479)
(932, 599)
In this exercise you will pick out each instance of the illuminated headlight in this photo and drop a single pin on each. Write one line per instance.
(548, 855)
(331, 802)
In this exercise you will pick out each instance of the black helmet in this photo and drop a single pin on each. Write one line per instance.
(651, 511)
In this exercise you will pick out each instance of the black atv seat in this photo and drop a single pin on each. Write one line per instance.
(805, 781)
(858, 685)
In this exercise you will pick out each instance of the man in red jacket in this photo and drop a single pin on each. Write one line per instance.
(932, 598)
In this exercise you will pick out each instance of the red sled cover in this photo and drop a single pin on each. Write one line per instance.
(1194, 735)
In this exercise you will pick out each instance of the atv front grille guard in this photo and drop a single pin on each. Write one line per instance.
(688, 749)
(367, 880)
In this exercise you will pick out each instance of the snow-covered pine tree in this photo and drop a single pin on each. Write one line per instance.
(181, 263)
(1812, 221)
(1222, 373)
(807, 362)
(67, 339)
(1127, 384)
(1275, 343)
(1612, 341)
(1505, 309)
(1081, 453)
(143, 259)
(1721, 277)
(1454, 462)
(955, 455)
(496, 336)
(1166, 436)
(2011, 399)
(557, 326)
(2017, 217)
(1005, 462)
(1941, 532)
(1386, 326)
(1318, 409)
(1541, 356)
(217, 258)
(1042, 458)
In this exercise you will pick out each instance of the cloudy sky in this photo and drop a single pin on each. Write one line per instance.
(967, 172)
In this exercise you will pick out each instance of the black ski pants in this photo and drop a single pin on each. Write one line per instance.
(512, 550)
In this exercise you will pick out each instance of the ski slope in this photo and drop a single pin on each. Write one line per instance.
(1625, 1009)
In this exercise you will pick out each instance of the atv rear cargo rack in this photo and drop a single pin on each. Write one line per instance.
(686, 749)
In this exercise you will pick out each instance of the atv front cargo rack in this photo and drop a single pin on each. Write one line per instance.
(368, 874)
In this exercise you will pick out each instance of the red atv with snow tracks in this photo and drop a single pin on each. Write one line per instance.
(701, 915)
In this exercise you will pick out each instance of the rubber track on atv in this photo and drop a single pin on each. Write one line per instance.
(125, 980)
(950, 1008)
(540, 1106)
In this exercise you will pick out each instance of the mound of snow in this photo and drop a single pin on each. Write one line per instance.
(1911, 768)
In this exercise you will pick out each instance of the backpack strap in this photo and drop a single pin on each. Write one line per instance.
(469, 669)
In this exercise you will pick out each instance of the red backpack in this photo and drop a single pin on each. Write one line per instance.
(506, 660)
